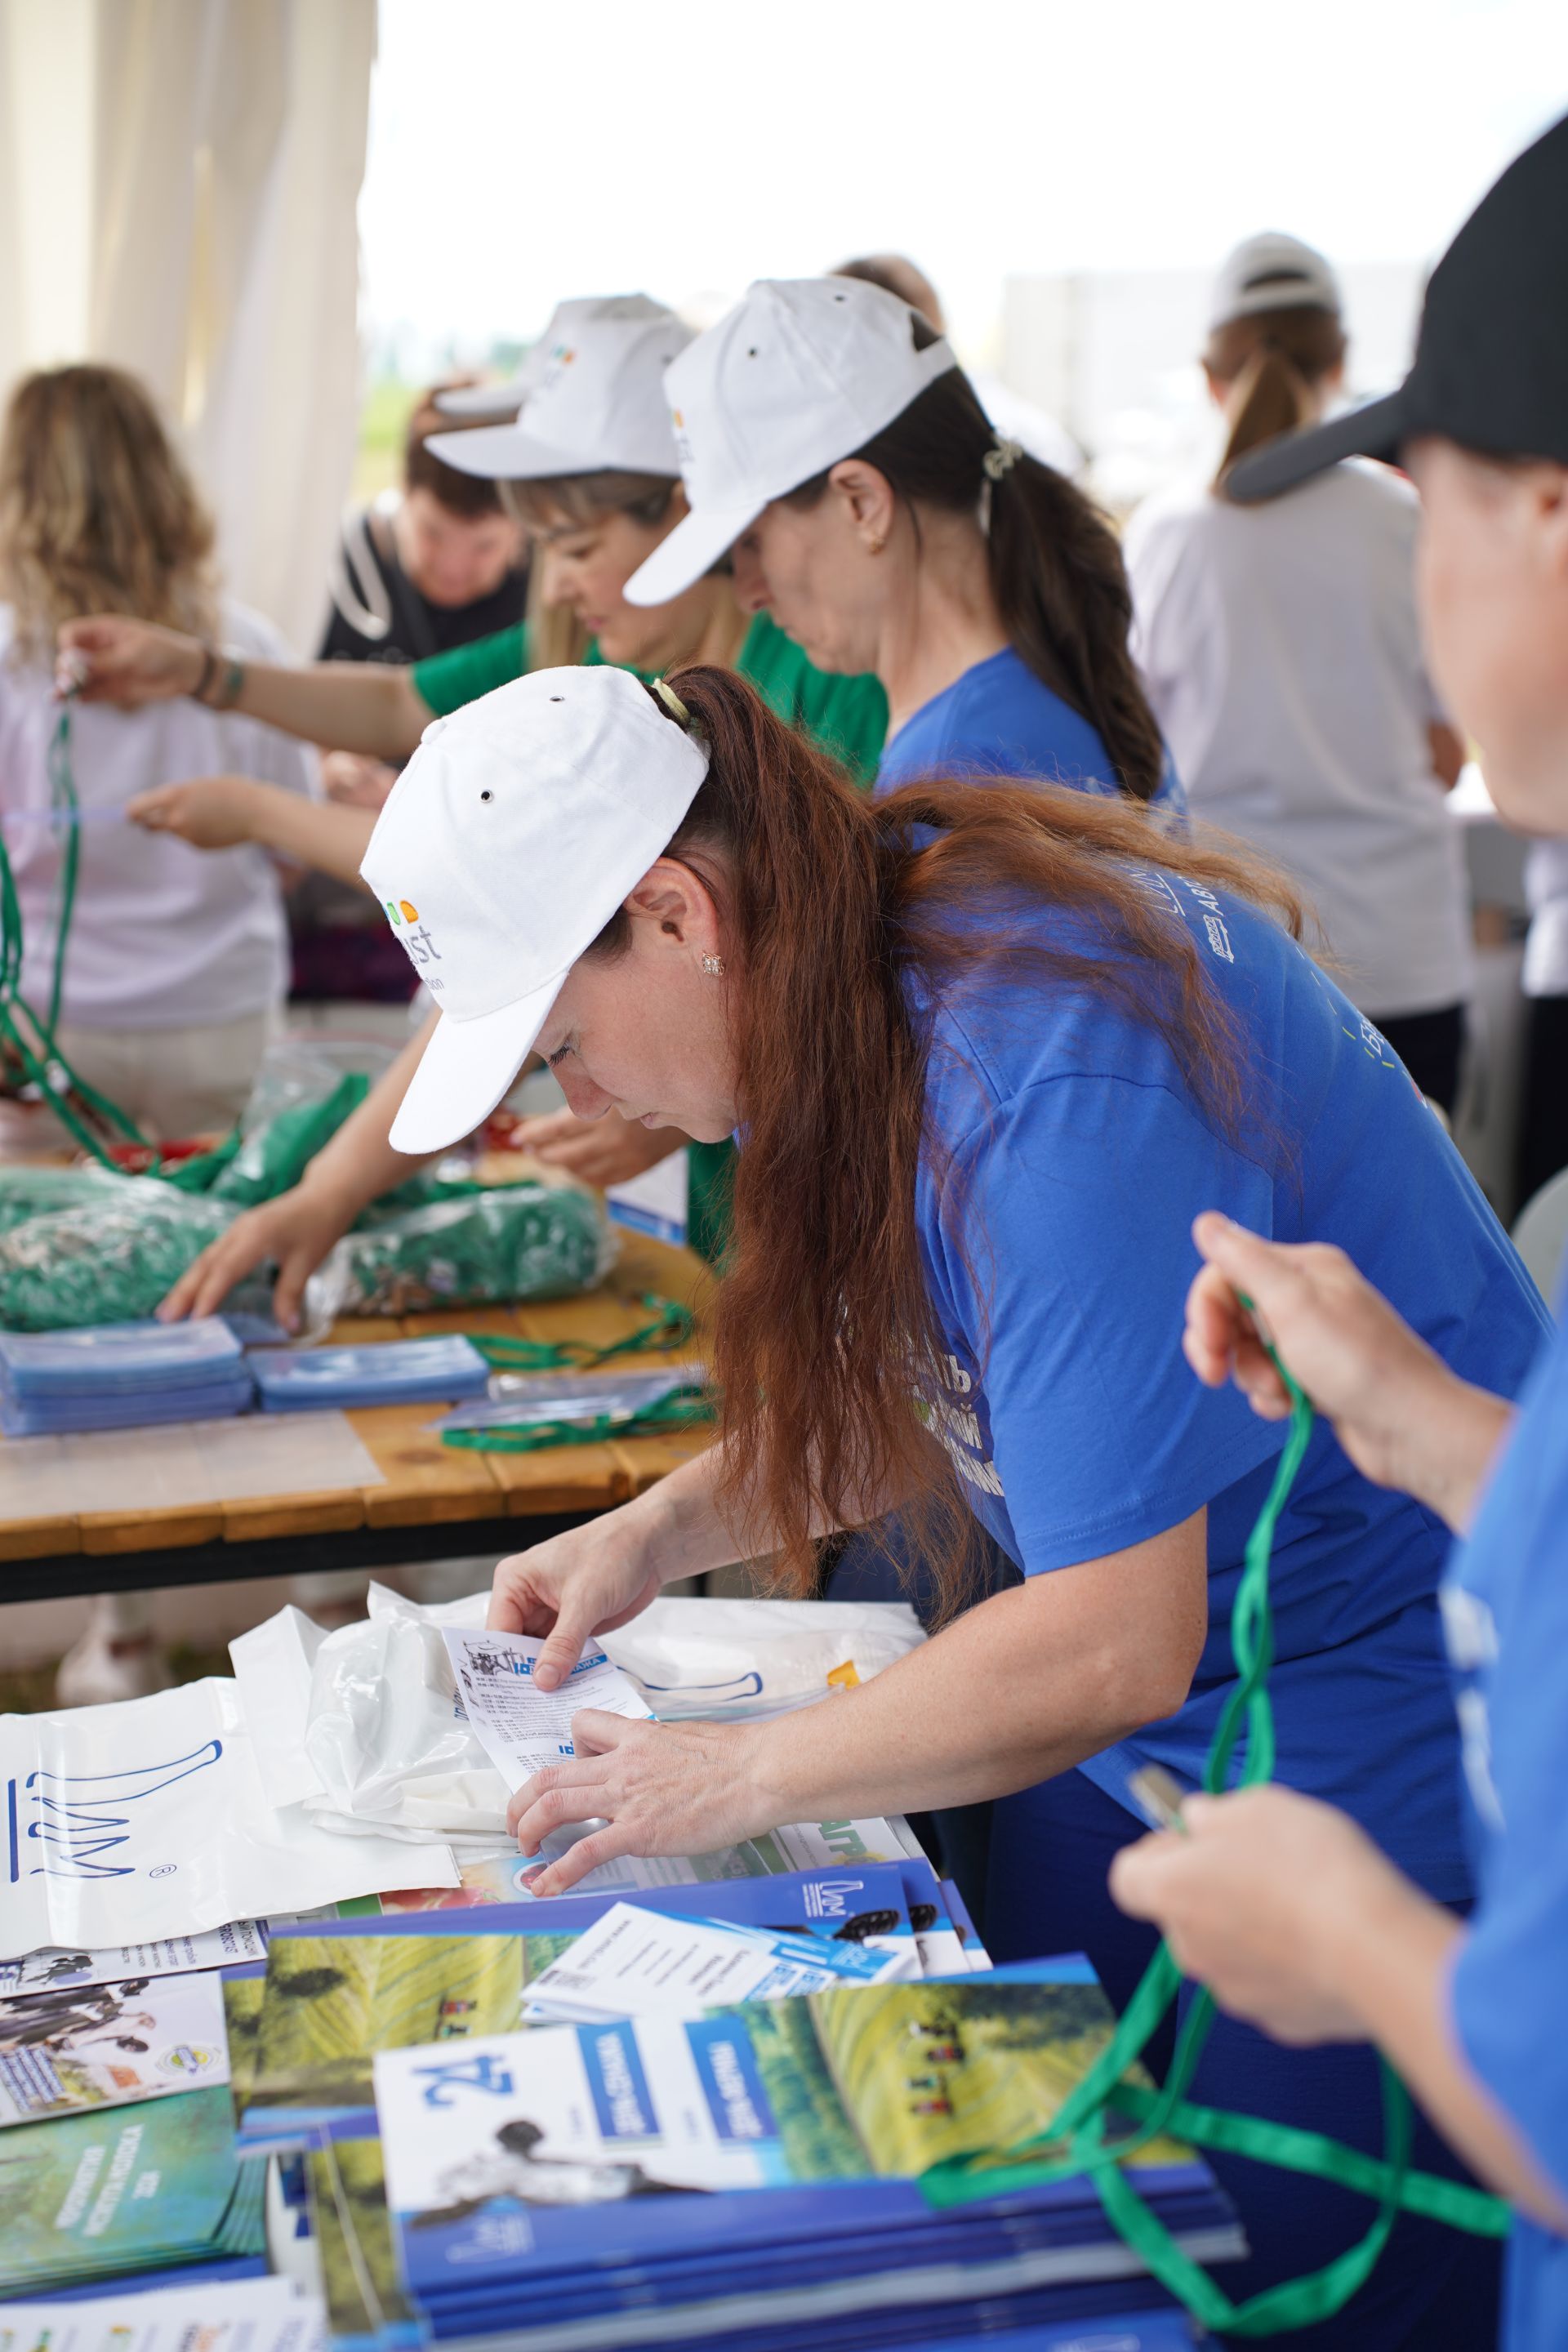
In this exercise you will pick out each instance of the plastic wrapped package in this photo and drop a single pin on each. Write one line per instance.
(531, 1240)
(362, 1727)
(110, 1259)
(28, 1192)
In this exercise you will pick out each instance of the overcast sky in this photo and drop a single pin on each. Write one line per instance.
(522, 151)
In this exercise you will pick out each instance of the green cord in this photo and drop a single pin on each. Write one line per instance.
(672, 1326)
(681, 1409)
(32, 1041)
(1081, 2121)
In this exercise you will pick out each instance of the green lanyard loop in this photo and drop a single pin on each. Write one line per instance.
(28, 1042)
(682, 1409)
(672, 1326)
(1077, 2141)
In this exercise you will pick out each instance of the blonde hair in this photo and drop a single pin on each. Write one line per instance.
(556, 637)
(1271, 363)
(98, 512)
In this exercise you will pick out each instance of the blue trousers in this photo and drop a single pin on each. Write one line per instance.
(1435, 2289)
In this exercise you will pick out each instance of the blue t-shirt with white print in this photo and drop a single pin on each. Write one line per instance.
(1506, 1609)
(1077, 1158)
(999, 721)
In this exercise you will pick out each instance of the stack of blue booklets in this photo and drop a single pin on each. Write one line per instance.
(743, 2177)
(120, 1376)
(387, 1372)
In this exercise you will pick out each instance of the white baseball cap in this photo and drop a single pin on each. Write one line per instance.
(598, 402)
(509, 841)
(498, 400)
(1272, 272)
(802, 373)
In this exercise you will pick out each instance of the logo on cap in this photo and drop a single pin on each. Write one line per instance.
(420, 946)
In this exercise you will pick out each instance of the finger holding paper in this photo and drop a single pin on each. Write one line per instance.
(660, 1789)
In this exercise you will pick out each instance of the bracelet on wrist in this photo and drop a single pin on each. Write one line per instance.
(210, 664)
(232, 684)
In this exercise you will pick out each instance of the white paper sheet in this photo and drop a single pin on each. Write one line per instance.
(254, 1455)
(148, 1820)
(215, 1948)
(636, 1963)
(521, 1727)
(261, 2315)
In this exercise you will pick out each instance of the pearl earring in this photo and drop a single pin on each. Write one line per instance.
(714, 967)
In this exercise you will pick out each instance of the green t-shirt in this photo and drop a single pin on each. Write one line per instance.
(846, 715)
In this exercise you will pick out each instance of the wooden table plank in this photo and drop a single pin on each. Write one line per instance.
(426, 1482)
(172, 1527)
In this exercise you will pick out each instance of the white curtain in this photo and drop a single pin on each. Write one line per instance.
(178, 181)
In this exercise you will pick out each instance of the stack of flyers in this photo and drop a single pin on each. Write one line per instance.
(119, 1375)
(634, 1962)
(106, 2195)
(665, 2179)
(254, 2314)
(108, 2045)
(387, 1372)
(335, 1995)
(521, 1727)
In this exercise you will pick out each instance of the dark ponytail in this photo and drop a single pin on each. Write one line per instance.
(1270, 365)
(1054, 564)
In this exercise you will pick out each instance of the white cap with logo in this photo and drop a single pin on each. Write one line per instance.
(1272, 272)
(517, 829)
(802, 373)
(597, 403)
(491, 402)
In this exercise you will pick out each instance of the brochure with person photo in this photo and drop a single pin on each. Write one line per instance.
(110, 2045)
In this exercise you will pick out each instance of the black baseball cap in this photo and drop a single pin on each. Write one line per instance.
(1492, 358)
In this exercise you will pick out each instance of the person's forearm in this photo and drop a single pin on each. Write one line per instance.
(323, 835)
(1395, 1962)
(1027, 1683)
(1451, 1448)
(370, 707)
(359, 1164)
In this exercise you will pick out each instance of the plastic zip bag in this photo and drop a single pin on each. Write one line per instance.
(531, 1240)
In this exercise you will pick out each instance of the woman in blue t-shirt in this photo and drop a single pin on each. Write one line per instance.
(990, 1051)
(837, 456)
(1285, 1907)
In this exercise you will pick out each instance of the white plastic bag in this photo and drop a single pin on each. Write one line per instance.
(149, 1818)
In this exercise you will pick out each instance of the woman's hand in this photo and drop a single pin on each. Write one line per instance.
(210, 812)
(128, 663)
(1404, 1420)
(577, 1585)
(352, 781)
(295, 1232)
(1255, 1899)
(599, 1151)
(659, 1787)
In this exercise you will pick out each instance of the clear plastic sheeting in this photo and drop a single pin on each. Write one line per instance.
(363, 1727)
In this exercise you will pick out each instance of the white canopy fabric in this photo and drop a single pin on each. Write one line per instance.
(178, 183)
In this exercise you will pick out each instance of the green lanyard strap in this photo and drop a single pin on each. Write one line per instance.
(27, 1042)
(672, 1326)
(1077, 2141)
(682, 1409)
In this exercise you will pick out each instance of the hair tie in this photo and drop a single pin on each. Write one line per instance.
(671, 701)
(1001, 457)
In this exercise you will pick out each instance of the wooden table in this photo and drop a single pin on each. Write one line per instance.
(436, 1502)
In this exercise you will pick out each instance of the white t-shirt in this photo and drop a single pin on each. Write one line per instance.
(163, 936)
(1546, 947)
(1281, 653)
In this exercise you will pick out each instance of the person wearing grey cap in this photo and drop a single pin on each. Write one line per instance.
(1282, 652)
(1289, 1912)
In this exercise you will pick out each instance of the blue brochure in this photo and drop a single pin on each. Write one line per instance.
(387, 1372)
(116, 1358)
